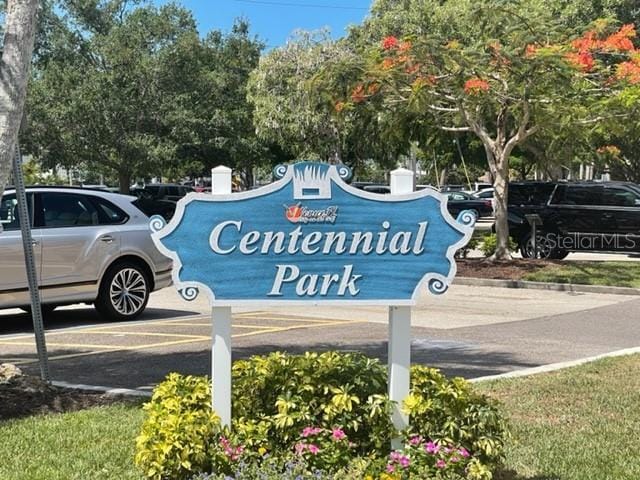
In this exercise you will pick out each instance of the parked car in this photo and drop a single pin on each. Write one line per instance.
(486, 194)
(459, 201)
(151, 205)
(90, 246)
(165, 191)
(575, 216)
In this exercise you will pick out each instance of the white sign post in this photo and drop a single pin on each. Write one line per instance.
(399, 350)
(221, 321)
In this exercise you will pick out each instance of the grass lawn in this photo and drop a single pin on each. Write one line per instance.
(581, 423)
(94, 444)
(576, 424)
(618, 274)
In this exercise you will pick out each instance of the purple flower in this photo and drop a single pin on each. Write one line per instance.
(390, 468)
(432, 448)
(415, 440)
(441, 463)
(404, 461)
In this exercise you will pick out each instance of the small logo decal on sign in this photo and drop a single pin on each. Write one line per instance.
(301, 214)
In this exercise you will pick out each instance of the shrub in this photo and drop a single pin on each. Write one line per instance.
(175, 438)
(291, 392)
(474, 242)
(490, 244)
(316, 416)
(448, 411)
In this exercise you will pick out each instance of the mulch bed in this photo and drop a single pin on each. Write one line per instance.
(22, 396)
(510, 270)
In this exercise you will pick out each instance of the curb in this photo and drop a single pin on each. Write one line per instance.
(552, 367)
(557, 287)
(106, 390)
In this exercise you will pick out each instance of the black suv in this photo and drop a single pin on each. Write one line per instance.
(576, 216)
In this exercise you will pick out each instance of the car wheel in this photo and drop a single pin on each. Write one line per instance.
(46, 309)
(545, 246)
(476, 213)
(124, 292)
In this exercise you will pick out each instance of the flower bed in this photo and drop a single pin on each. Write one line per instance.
(319, 416)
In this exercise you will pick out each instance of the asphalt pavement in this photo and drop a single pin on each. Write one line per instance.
(470, 331)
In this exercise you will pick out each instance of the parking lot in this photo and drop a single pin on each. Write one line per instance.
(471, 331)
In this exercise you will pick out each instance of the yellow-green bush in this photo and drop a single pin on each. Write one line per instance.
(175, 441)
(279, 397)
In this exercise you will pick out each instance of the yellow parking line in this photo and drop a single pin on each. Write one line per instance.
(143, 334)
(295, 327)
(102, 349)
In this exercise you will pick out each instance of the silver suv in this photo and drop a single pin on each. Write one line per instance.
(90, 247)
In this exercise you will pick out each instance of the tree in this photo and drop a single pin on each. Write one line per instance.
(19, 36)
(98, 98)
(502, 84)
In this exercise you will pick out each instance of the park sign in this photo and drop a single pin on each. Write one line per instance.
(309, 237)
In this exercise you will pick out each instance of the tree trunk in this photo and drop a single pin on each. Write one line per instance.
(19, 37)
(501, 194)
(124, 182)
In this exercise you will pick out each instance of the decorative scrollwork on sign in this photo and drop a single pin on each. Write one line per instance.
(437, 286)
(157, 223)
(344, 172)
(279, 171)
(467, 217)
(189, 293)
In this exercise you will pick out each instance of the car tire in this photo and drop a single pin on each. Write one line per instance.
(546, 250)
(124, 292)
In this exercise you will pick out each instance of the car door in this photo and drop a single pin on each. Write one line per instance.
(75, 246)
(14, 288)
(580, 218)
(622, 206)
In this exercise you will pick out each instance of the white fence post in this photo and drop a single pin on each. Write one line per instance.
(221, 321)
(399, 354)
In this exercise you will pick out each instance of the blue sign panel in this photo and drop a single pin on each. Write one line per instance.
(310, 237)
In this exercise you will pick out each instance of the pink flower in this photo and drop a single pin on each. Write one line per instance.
(313, 449)
(338, 434)
(415, 440)
(404, 461)
(308, 431)
(463, 452)
(431, 447)
(390, 468)
(300, 447)
(441, 464)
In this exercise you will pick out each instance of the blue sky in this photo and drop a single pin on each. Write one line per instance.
(274, 20)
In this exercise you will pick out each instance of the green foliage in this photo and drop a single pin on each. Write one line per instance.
(489, 244)
(176, 437)
(449, 411)
(325, 390)
(314, 414)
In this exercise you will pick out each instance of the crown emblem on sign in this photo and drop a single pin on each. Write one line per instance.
(313, 180)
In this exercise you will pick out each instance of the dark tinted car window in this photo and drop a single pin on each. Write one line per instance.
(585, 195)
(9, 217)
(68, 210)
(619, 197)
(530, 193)
(108, 213)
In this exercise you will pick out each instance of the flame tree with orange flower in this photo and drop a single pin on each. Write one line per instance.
(503, 85)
